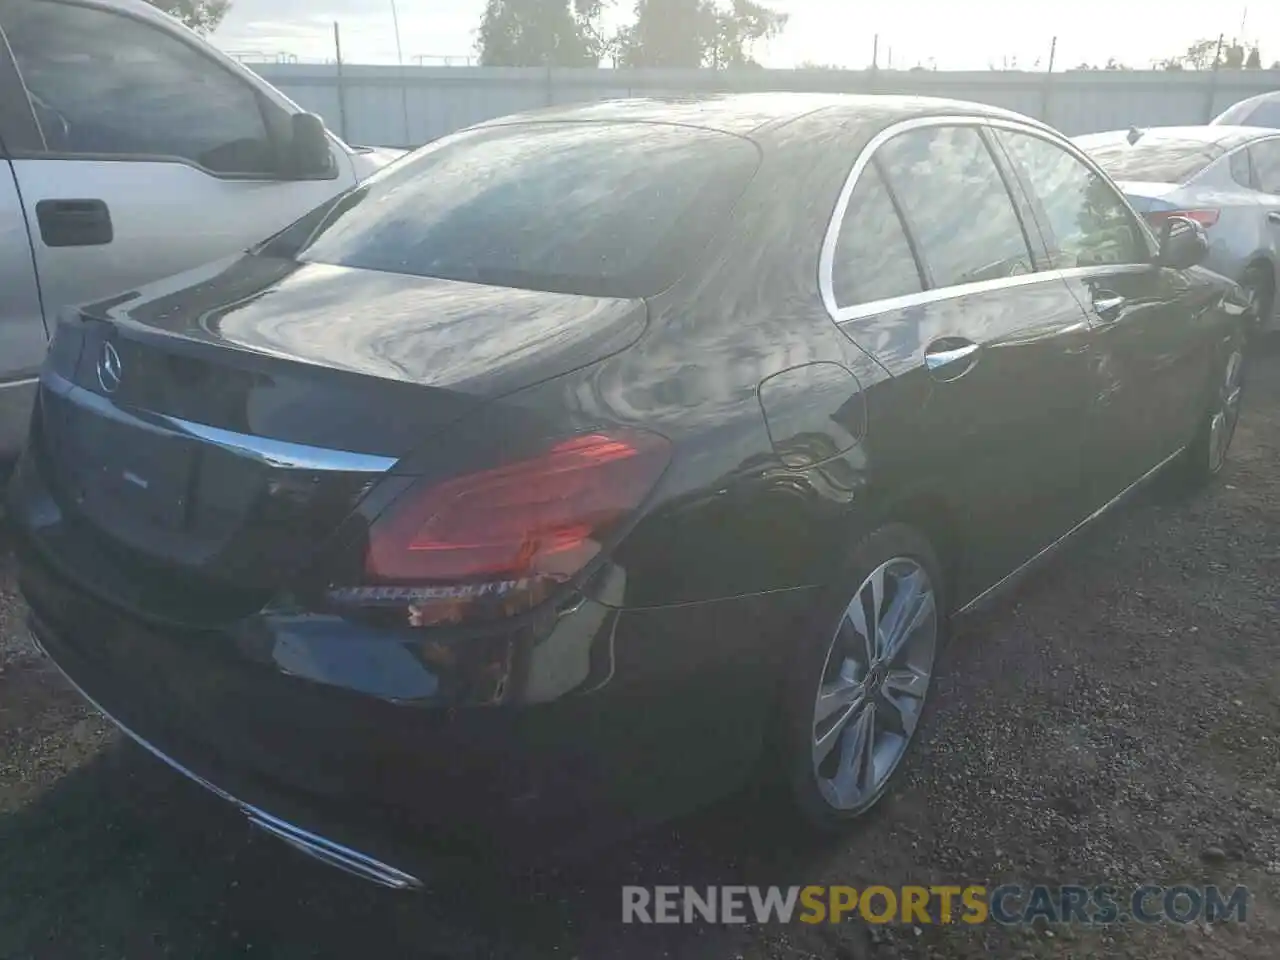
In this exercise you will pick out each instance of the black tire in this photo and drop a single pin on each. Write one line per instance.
(1259, 282)
(811, 662)
(1205, 456)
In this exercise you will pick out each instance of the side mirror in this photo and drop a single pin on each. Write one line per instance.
(1183, 243)
(309, 156)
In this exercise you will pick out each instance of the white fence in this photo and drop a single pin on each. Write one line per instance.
(394, 106)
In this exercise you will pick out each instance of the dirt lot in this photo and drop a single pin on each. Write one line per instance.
(1118, 721)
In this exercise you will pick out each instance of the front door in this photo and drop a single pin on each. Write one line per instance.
(991, 361)
(1150, 334)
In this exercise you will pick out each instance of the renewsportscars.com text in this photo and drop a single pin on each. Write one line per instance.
(1008, 904)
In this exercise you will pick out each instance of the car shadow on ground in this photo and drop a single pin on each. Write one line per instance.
(124, 853)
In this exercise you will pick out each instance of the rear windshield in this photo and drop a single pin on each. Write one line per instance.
(588, 208)
(1159, 161)
(1252, 113)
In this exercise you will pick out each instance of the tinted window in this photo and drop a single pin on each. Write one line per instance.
(1241, 172)
(956, 205)
(1085, 220)
(873, 260)
(1266, 165)
(603, 209)
(1265, 114)
(102, 83)
(1157, 160)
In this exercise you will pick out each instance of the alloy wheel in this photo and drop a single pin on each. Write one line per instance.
(872, 690)
(1226, 411)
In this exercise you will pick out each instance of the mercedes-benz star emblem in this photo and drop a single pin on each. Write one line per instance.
(109, 369)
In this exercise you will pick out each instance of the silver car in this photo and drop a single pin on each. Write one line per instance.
(1225, 178)
(1260, 111)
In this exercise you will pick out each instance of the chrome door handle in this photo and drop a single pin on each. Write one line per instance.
(1274, 216)
(950, 358)
(1108, 305)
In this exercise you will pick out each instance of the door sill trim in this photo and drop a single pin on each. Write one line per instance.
(1053, 547)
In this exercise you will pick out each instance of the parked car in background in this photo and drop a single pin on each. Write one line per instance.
(568, 471)
(1225, 178)
(131, 149)
(1260, 111)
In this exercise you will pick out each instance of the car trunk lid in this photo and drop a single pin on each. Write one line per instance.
(219, 430)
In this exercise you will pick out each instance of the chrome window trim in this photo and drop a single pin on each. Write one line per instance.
(826, 262)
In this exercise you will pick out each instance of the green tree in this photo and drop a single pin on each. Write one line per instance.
(201, 15)
(667, 33)
(697, 33)
(534, 33)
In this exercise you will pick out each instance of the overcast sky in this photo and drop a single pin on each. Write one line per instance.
(956, 35)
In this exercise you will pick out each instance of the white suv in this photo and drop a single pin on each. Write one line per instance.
(131, 149)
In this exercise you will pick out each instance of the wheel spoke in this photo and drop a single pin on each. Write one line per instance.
(864, 613)
(834, 697)
(824, 744)
(856, 770)
(902, 699)
(911, 604)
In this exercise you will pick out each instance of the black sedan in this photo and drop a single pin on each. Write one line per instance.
(586, 464)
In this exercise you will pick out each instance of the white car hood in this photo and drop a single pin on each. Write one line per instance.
(369, 160)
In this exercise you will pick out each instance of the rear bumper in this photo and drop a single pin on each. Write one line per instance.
(390, 752)
(321, 848)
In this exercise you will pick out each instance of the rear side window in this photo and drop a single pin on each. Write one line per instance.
(1086, 222)
(588, 208)
(1241, 170)
(956, 205)
(873, 260)
(1265, 114)
(1266, 165)
(103, 83)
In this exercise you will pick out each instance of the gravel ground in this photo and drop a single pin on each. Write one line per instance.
(1116, 721)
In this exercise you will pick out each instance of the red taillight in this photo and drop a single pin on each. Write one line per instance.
(509, 534)
(1206, 218)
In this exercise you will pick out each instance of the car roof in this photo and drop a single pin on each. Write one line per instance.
(137, 8)
(749, 113)
(1222, 138)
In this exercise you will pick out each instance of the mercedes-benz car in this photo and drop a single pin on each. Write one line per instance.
(588, 464)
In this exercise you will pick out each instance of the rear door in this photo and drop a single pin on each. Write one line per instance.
(990, 357)
(146, 156)
(1150, 339)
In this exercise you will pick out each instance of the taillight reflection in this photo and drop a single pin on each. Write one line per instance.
(1206, 218)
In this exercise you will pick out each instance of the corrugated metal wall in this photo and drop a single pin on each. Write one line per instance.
(439, 100)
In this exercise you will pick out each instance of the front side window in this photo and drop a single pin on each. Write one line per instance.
(103, 83)
(1266, 165)
(598, 209)
(1086, 221)
(956, 205)
(873, 260)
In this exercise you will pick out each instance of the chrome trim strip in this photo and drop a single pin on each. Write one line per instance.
(826, 260)
(274, 453)
(312, 844)
(24, 382)
(1021, 568)
(282, 453)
